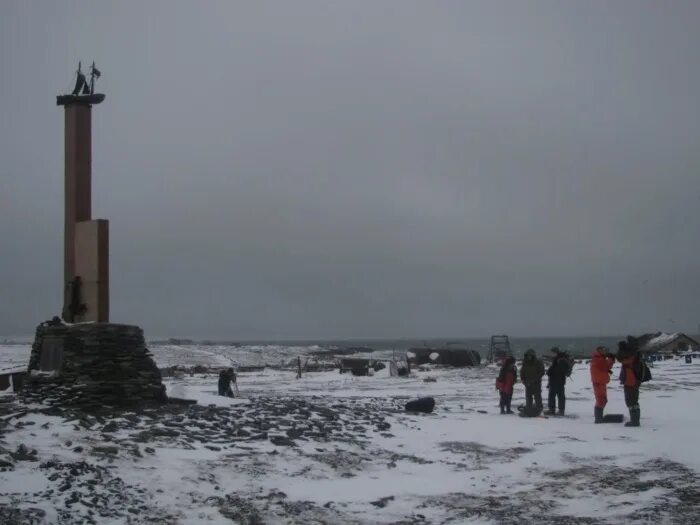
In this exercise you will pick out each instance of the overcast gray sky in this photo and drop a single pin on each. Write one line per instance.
(362, 168)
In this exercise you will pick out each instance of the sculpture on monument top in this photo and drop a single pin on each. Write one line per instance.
(81, 82)
(84, 91)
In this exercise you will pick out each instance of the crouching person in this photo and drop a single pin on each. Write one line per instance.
(504, 384)
(225, 378)
(601, 368)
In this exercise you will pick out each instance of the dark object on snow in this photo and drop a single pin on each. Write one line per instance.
(181, 401)
(423, 404)
(688, 359)
(359, 366)
(401, 369)
(258, 368)
(18, 381)
(530, 411)
(445, 356)
(613, 418)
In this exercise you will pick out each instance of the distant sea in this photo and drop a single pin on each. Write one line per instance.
(275, 351)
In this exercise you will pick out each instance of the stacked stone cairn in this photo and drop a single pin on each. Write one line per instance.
(92, 365)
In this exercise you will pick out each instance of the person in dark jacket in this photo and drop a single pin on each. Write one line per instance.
(531, 373)
(507, 377)
(225, 379)
(601, 368)
(631, 377)
(557, 374)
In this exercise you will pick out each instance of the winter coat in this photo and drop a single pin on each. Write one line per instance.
(558, 371)
(601, 365)
(531, 372)
(630, 373)
(507, 377)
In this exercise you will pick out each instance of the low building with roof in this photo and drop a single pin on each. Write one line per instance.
(664, 344)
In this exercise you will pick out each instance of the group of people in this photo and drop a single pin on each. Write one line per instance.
(634, 372)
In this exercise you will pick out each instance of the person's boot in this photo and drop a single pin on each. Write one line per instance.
(561, 412)
(598, 415)
(550, 411)
(634, 418)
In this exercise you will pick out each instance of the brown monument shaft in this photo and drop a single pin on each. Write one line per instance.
(78, 184)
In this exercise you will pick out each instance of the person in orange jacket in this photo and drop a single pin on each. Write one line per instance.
(601, 368)
(631, 378)
(507, 377)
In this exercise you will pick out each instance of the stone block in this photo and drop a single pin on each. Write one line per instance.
(88, 373)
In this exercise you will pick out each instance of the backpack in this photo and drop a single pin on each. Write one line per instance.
(569, 362)
(645, 372)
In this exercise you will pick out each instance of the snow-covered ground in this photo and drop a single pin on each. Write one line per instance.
(333, 448)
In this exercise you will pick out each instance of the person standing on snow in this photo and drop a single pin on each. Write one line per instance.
(557, 373)
(601, 368)
(631, 376)
(531, 373)
(507, 377)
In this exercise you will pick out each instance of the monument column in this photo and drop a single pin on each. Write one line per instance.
(85, 250)
(78, 184)
(93, 363)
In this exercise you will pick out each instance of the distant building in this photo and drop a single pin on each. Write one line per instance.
(667, 344)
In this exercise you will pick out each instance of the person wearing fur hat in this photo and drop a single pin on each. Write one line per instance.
(557, 373)
(531, 373)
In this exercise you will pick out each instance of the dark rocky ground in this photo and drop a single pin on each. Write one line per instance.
(90, 490)
(69, 467)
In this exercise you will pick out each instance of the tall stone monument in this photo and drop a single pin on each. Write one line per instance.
(84, 360)
(86, 241)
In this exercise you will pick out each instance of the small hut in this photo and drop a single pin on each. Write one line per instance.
(666, 345)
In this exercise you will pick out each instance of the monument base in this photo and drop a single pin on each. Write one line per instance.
(92, 365)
